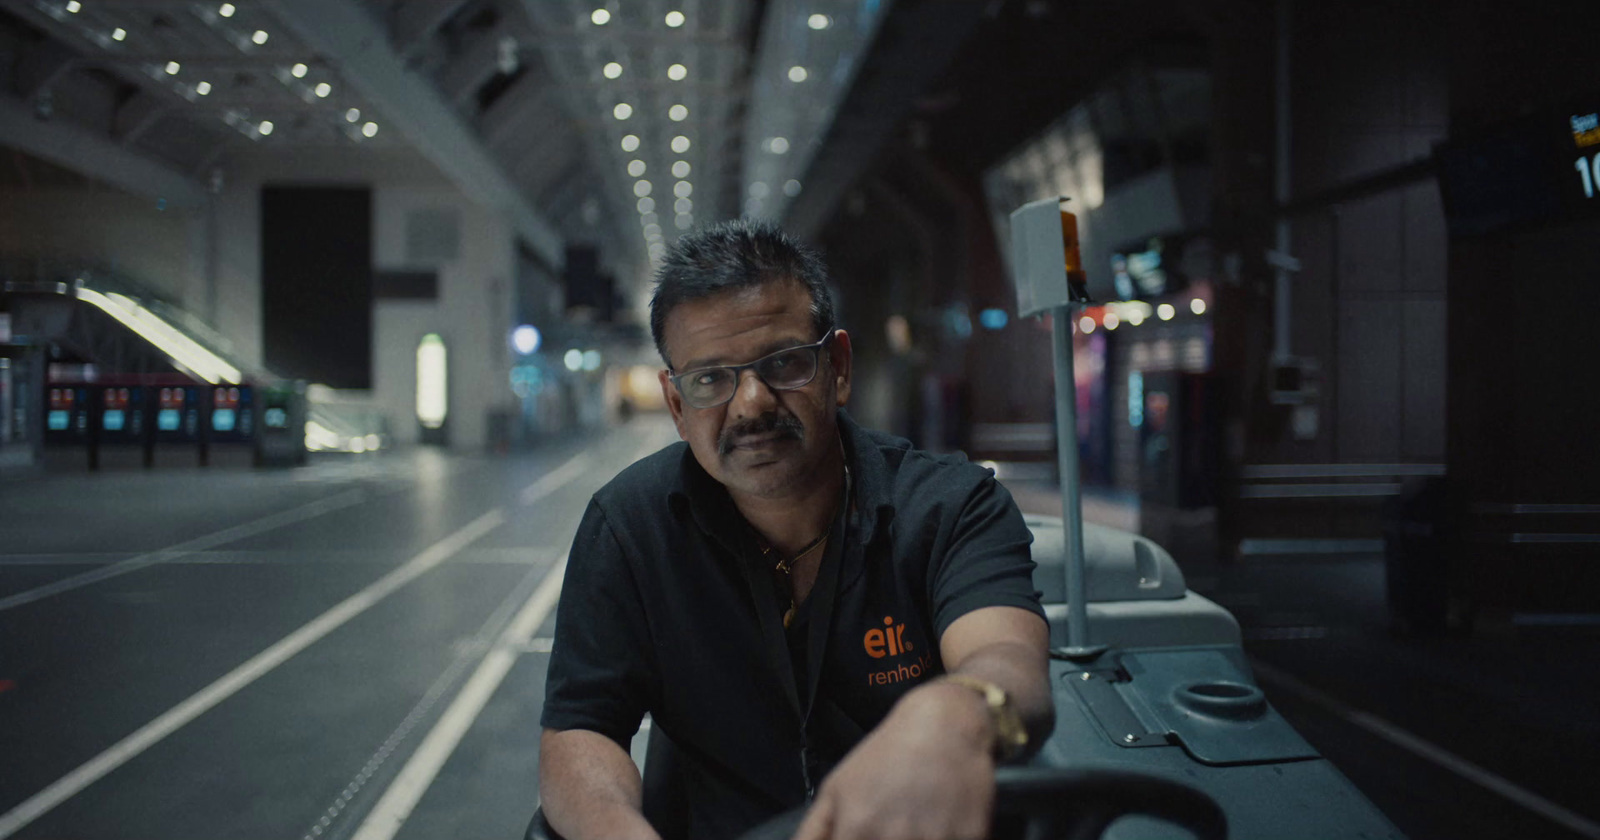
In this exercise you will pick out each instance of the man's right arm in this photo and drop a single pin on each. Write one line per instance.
(590, 787)
(599, 686)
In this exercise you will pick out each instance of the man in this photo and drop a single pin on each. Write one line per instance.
(812, 612)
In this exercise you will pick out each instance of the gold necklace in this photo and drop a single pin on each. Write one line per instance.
(786, 568)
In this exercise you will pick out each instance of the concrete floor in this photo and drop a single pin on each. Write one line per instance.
(136, 607)
(225, 652)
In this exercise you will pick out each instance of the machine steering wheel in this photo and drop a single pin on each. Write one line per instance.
(1072, 804)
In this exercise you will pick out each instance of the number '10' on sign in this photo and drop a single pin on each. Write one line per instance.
(1585, 166)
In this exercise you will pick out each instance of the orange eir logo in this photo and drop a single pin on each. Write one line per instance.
(890, 641)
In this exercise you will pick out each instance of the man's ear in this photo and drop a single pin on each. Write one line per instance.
(674, 401)
(839, 354)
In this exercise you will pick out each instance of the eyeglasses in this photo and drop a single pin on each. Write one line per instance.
(784, 370)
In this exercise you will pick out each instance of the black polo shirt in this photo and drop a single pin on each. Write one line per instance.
(669, 608)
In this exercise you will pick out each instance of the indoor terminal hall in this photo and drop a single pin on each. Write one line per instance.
(326, 333)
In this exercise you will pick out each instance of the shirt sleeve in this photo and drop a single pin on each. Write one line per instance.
(987, 562)
(601, 666)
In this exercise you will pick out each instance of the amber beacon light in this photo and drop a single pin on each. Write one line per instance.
(1077, 280)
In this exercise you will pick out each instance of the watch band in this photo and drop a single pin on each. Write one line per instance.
(1010, 736)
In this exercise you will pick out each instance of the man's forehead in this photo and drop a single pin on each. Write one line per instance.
(707, 325)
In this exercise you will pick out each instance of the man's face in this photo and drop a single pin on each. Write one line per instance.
(763, 442)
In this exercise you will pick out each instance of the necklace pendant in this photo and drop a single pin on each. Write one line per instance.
(788, 616)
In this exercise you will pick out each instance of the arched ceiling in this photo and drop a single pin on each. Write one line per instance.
(617, 123)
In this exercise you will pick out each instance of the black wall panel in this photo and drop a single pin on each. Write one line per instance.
(316, 283)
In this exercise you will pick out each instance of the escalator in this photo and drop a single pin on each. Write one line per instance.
(125, 369)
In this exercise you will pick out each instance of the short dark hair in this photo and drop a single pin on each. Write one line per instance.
(733, 255)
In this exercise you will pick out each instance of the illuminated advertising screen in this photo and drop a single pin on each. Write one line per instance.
(122, 414)
(177, 414)
(232, 413)
(67, 414)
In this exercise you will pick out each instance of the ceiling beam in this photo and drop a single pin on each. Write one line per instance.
(354, 43)
(568, 187)
(547, 157)
(415, 21)
(527, 97)
(96, 156)
(136, 115)
(41, 65)
(477, 64)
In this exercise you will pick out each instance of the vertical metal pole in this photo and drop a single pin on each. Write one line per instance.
(96, 400)
(1283, 290)
(213, 257)
(207, 405)
(1071, 496)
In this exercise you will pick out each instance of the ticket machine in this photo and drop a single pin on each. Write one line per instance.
(124, 414)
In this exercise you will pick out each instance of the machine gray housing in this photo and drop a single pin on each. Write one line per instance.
(1137, 595)
(1173, 695)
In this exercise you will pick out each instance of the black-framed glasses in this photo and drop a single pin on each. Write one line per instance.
(784, 370)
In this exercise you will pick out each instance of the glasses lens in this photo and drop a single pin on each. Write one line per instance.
(707, 387)
(790, 368)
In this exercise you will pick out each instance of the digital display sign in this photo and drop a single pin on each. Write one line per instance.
(68, 413)
(1544, 168)
(232, 413)
(1140, 274)
(178, 413)
(122, 420)
(1586, 135)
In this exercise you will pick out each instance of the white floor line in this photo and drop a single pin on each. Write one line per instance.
(555, 479)
(470, 652)
(238, 532)
(403, 794)
(1431, 752)
(173, 719)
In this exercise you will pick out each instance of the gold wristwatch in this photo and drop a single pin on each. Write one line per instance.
(1010, 736)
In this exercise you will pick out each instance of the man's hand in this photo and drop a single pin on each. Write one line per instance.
(925, 773)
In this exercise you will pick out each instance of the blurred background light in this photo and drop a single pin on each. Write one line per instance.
(525, 339)
(432, 385)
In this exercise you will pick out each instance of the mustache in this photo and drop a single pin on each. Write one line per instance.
(786, 425)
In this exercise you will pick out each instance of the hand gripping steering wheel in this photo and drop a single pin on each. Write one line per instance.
(1057, 804)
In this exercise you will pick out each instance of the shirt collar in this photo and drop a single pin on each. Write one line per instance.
(873, 500)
